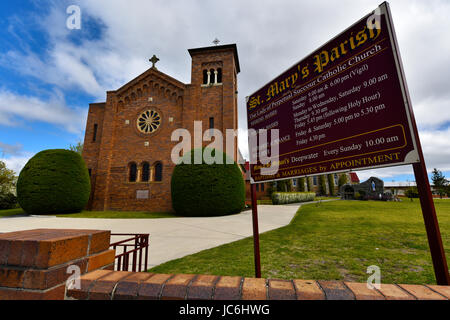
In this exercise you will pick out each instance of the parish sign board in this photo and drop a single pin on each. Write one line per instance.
(344, 107)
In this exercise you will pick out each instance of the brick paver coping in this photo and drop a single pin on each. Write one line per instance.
(35, 264)
(119, 285)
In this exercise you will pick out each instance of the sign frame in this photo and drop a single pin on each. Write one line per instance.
(418, 163)
(410, 158)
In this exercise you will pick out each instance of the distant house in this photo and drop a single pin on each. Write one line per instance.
(398, 188)
(371, 188)
(353, 177)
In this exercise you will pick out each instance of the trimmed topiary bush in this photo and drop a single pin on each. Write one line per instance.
(54, 181)
(205, 190)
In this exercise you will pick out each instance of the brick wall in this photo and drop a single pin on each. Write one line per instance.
(34, 263)
(110, 285)
(119, 142)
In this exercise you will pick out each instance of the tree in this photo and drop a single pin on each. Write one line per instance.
(301, 184)
(439, 182)
(7, 179)
(284, 185)
(331, 184)
(272, 188)
(308, 184)
(411, 193)
(8, 200)
(77, 148)
(288, 185)
(342, 180)
(322, 185)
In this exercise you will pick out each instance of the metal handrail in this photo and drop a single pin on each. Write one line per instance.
(139, 247)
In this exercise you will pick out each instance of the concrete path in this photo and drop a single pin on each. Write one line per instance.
(170, 238)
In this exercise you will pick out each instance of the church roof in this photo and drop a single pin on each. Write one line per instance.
(155, 72)
(223, 47)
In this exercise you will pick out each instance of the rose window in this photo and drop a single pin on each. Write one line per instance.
(149, 121)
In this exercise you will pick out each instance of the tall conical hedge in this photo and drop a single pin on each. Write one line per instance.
(54, 182)
(205, 190)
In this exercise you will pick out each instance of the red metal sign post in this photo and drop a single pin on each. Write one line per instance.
(255, 231)
(431, 225)
(422, 182)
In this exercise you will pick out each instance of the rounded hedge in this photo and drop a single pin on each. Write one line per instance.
(54, 181)
(205, 190)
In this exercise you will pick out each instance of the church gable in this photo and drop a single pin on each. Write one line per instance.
(151, 84)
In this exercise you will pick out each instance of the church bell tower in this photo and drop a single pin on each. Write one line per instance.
(214, 91)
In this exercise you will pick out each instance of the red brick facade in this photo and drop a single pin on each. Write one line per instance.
(113, 143)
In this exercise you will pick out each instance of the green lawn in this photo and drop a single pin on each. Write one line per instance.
(327, 198)
(119, 215)
(333, 241)
(265, 201)
(100, 214)
(11, 212)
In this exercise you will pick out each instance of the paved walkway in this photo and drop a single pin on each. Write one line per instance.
(170, 238)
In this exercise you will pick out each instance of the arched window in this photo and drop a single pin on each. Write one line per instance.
(132, 174)
(145, 172)
(219, 75)
(205, 76)
(158, 171)
(94, 137)
(212, 77)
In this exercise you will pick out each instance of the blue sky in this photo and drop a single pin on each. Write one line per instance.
(49, 74)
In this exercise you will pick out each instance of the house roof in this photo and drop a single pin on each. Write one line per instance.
(400, 184)
(354, 177)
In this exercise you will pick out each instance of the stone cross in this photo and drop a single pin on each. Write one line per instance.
(154, 60)
(216, 41)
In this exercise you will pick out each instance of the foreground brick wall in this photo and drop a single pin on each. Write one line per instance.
(110, 285)
(34, 263)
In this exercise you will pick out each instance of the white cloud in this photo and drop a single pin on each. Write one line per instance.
(436, 151)
(62, 68)
(10, 149)
(14, 108)
(16, 163)
(270, 35)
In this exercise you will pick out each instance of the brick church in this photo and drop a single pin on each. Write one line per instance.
(127, 145)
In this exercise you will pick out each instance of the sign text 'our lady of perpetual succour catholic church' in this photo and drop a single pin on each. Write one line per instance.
(343, 107)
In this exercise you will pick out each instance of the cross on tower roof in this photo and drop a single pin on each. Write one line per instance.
(216, 41)
(154, 60)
